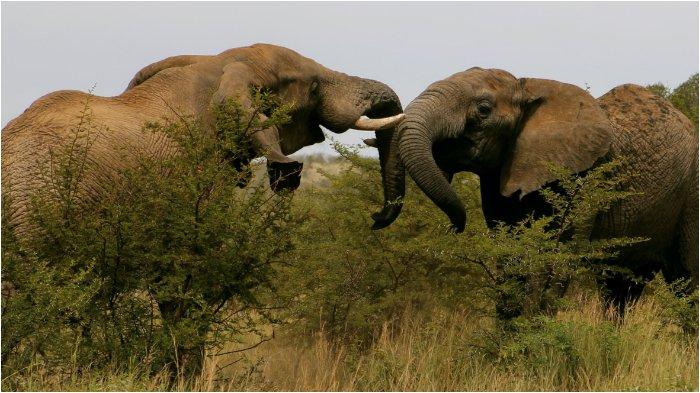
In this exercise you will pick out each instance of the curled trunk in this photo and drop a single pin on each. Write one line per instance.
(416, 141)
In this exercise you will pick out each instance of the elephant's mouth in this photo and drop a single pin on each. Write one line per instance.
(455, 155)
(316, 132)
(375, 117)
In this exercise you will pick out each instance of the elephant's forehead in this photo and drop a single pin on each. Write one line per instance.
(492, 79)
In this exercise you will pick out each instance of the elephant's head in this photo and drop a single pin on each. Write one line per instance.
(493, 124)
(320, 97)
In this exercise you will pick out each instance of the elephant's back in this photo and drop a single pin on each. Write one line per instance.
(90, 129)
(660, 146)
(637, 112)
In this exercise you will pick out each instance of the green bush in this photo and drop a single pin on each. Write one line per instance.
(679, 302)
(347, 280)
(577, 343)
(165, 263)
(529, 266)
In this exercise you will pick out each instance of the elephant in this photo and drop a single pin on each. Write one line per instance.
(191, 85)
(508, 131)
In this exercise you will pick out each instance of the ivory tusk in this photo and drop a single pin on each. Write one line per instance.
(366, 124)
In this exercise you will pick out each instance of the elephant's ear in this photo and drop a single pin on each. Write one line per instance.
(562, 125)
(237, 82)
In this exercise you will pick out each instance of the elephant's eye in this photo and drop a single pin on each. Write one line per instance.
(484, 108)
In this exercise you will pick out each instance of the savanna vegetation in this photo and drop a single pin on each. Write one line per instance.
(192, 275)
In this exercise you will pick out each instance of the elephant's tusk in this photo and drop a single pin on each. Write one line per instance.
(366, 124)
(371, 142)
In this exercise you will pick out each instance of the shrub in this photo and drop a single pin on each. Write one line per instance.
(678, 301)
(166, 263)
(528, 267)
(347, 280)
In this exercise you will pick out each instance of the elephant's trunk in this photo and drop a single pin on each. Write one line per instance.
(415, 148)
(393, 178)
(384, 102)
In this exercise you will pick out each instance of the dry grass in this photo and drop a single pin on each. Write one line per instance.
(639, 353)
(438, 355)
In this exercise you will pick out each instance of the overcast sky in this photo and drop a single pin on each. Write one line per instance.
(53, 46)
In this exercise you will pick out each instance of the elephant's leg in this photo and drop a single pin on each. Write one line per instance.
(620, 288)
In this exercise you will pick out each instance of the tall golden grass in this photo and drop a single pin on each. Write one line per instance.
(429, 354)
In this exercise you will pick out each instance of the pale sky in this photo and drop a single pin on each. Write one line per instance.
(54, 46)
